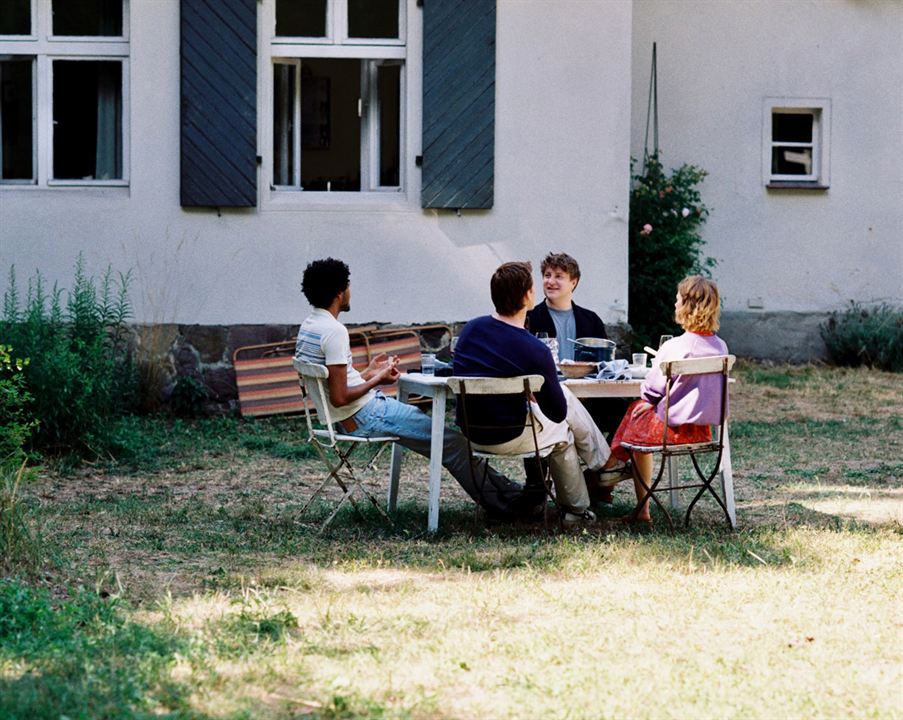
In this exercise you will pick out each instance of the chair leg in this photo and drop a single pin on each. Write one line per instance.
(649, 490)
(706, 485)
(348, 485)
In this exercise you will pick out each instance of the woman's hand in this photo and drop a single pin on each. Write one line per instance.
(641, 407)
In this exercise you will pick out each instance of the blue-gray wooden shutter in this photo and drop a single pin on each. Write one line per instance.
(219, 103)
(458, 103)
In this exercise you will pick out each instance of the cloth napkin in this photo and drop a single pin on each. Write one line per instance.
(614, 370)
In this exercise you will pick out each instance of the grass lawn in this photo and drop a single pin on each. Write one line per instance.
(178, 582)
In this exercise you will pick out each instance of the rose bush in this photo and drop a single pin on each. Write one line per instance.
(666, 212)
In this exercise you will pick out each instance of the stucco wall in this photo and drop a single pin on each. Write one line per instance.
(562, 145)
(797, 250)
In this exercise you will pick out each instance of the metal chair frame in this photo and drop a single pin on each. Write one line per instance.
(312, 379)
(526, 385)
(715, 365)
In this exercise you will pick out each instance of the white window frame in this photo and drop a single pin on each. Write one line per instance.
(372, 52)
(45, 48)
(820, 110)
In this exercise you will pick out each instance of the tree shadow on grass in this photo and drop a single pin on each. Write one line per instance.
(81, 657)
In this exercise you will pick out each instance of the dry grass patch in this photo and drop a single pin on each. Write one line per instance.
(796, 615)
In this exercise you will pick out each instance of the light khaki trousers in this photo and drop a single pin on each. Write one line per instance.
(574, 439)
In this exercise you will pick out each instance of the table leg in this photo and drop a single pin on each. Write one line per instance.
(395, 463)
(436, 446)
(727, 479)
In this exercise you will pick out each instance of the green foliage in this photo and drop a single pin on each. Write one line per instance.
(872, 337)
(188, 397)
(81, 658)
(81, 373)
(666, 212)
(15, 423)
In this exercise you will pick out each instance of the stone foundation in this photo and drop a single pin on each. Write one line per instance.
(776, 336)
(203, 353)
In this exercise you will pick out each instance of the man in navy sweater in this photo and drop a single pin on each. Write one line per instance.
(497, 345)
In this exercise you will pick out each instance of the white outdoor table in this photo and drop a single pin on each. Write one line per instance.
(436, 388)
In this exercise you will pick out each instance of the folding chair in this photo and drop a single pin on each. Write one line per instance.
(312, 378)
(524, 385)
(717, 365)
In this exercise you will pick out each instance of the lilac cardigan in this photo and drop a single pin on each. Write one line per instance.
(695, 400)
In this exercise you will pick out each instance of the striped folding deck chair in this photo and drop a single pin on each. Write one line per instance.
(268, 382)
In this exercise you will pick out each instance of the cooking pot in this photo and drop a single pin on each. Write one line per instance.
(594, 349)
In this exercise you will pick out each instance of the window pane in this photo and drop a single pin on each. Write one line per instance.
(389, 80)
(301, 18)
(283, 124)
(87, 17)
(791, 127)
(791, 161)
(87, 120)
(373, 18)
(16, 148)
(15, 17)
(330, 124)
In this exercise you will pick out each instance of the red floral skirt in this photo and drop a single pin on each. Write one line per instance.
(646, 429)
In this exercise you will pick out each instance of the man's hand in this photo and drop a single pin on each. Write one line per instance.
(386, 370)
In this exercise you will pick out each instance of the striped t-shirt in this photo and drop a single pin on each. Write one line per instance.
(324, 340)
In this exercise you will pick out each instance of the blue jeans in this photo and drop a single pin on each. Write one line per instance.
(488, 487)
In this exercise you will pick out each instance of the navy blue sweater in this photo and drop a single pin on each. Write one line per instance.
(491, 348)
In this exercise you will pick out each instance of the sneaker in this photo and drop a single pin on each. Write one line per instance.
(578, 518)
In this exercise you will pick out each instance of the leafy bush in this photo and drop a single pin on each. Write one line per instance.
(15, 423)
(81, 373)
(865, 336)
(666, 212)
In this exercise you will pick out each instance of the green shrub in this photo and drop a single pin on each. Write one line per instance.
(16, 425)
(81, 373)
(666, 212)
(865, 336)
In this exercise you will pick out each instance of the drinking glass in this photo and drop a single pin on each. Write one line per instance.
(664, 338)
(428, 363)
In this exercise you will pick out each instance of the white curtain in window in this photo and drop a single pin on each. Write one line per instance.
(108, 160)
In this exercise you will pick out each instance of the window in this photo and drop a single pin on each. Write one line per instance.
(63, 92)
(338, 95)
(796, 143)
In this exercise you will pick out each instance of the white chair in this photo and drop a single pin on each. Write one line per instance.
(717, 365)
(312, 378)
(523, 385)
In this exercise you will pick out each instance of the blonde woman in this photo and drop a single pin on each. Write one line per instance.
(695, 400)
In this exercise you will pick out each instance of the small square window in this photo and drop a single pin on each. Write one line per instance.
(87, 18)
(15, 17)
(795, 143)
(87, 120)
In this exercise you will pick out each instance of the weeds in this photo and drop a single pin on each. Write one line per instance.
(21, 546)
(80, 373)
(866, 336)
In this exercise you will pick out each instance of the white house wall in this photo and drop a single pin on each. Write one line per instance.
(796, 250)
(561, 182)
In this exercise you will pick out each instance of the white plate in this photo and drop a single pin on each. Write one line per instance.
(638, 372)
